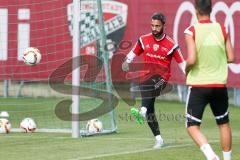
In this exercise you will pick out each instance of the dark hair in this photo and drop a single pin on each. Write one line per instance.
(160, 17)
(204, 7)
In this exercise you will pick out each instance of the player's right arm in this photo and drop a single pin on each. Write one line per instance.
(229, 50)
(137, 50)
(228, 44)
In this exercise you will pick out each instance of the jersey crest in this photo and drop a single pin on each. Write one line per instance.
(155, 47)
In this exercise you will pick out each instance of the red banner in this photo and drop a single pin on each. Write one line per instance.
(47, 25)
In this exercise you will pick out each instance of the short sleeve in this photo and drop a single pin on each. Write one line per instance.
(138, 49)
(190, 31)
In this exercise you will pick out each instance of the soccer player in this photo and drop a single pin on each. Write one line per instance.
(209, 50)
(156, 48)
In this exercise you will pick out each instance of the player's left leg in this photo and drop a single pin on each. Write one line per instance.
(152, 121)
(150, 89)
(196, 102)
(150, 116)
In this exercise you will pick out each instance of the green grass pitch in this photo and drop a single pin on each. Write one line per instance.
(131, 142)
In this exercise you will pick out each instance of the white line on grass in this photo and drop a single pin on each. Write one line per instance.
(24, 135)
(130, 152)
(146, 139)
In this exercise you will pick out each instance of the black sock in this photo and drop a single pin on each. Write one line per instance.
(153, 124)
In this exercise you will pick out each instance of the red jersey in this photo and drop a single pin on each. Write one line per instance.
(159, 52)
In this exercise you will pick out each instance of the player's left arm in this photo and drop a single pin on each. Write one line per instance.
(179, 59)
(191, 51)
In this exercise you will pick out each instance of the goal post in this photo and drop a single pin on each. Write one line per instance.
(76, 72)
(62, 31)
(105, 59)
(91, 22)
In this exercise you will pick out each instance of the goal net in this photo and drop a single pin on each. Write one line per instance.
(25, 90)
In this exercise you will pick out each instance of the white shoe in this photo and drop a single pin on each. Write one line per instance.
(216, 158)
(159, 144)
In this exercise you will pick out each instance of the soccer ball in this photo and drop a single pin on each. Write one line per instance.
(5, 125)
(94, 126)
(4, 114)
(31, 56)
(28, 125)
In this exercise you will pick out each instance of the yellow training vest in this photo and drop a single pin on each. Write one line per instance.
(211, 63)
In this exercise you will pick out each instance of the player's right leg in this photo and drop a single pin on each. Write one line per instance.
(226, 140)
(196, 101)
(219, 106)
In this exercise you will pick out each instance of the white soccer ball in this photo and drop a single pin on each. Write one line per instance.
(31, 56)
(28, 125)
(4, 114)
(94, 126)
(5, 125)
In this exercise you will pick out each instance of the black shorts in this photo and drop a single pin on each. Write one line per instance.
(199, 97)
(152, 87)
